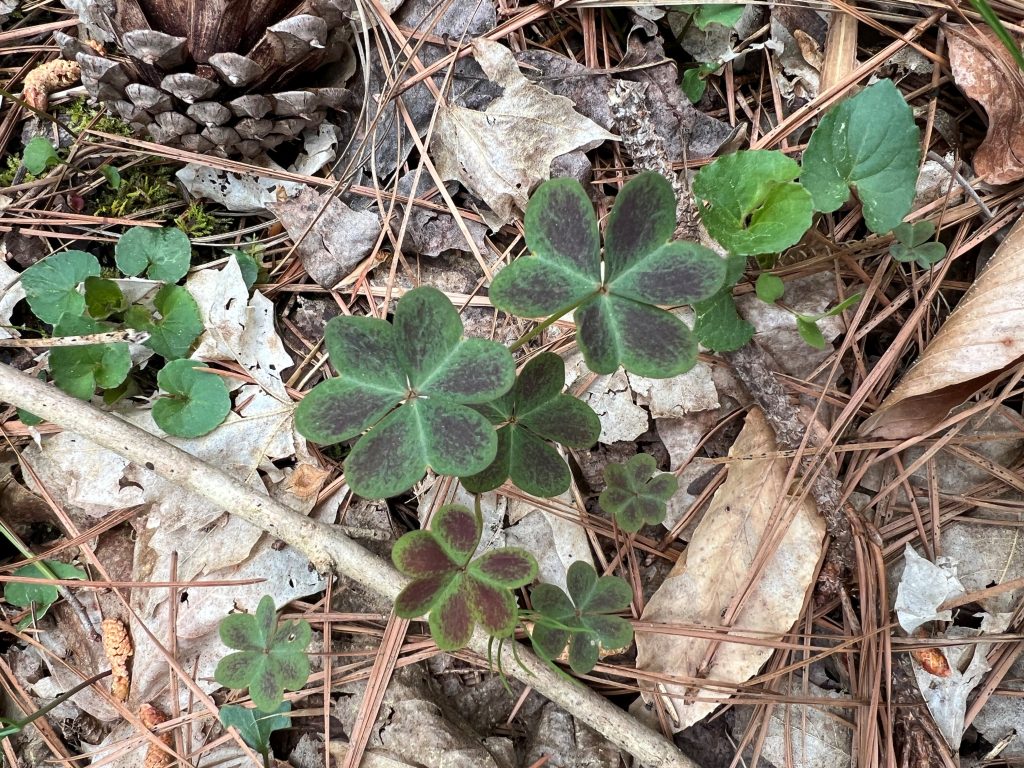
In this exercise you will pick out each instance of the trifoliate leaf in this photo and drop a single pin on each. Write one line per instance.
(37, 595)
(78, 370)
(51, 284)
(39, 156)
(197, 400)
(103, 298)
(271, 658)
(751, 204)
(869, 143)
(633, 496)
(164, 253)
(171, 335)
(769, 288)
(255, 726)
(380, 365)
(913, 244)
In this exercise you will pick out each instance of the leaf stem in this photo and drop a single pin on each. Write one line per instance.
(538, 329)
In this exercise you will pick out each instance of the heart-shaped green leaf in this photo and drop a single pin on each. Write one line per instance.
(751, 204)
(79, 369)
(913, 244)
(533, 412)
(36, 595)
(769, 287)
(103, 298)
(617, 317)
(165, 253)
(39, 155)
(271, 658)
(868, 142)
(179, 324)
(51, 284)
(409, 384)
(633, 496)
(719, 326)
(582, 619)
(457, 592)
(197, 401)
(255, 726)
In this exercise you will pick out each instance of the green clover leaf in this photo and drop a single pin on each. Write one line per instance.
(582, 619)
(531, 416)
(270, 658)
(196, 403)
(912, 244)
(618, 316)
(78, 370)
(751, 204)
(171, 335)
(633, 496)
(458, 592)
(870, 143)
(165, 253)
(410, 384)
(51, 284)
(35, 595)
(254, 725)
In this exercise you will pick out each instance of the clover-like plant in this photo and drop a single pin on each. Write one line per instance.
(458, 591)
(196, 400)
(533, 413)
(914, 243)
(164, 253)
(410, 384)
(270, 659)
(584, 619)
(637, 493)
(617, 302)
(178, 325)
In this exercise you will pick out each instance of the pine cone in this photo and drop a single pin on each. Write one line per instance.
(225, 77)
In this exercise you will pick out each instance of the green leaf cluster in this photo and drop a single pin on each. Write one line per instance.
(584, 619)
(409, 386)
(636, 493)
(914, 244)
(618, 301)
(458, 591)
(34, 595)
(196, 400)
(270, 657)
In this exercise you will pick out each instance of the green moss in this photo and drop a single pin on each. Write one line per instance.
(11, 164)
(80, 114)
(196, 221)
(141, 188)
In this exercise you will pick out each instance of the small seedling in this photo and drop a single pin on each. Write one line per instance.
(694, 81)
(270, 659)
(912, 244)
(255, 726)
(617, 304)
(112, 175)
(164, 253)
(807, 325)
(724, 14)
(78, 370)
(37, 596)
(583, 619)
(410, 385)
(534, 412)
(197, 401)
(871, 144)
(459, 592)
(39, 156)
(637, 493)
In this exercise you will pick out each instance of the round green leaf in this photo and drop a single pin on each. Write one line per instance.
(750, 204)
(78, 370)
(51, 284)
(42, 596)
(179, 324)
(165, 253)
(39, 155)
(641, 222)
(197, 401)
(718, 325)
(769, 288)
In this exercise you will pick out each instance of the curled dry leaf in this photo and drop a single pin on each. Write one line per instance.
(156, 757)
(118, 648)
(984, 70)
(979, 340)
(720, 564)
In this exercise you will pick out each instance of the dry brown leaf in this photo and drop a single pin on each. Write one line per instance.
(979, 340)
(719, 565)
(118, 648)
(500, 154)
(986, 72)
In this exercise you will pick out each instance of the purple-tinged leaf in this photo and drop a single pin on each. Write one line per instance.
(458, 530)
(609, 595)
(427, 330)
(239, 630)
(561, 227)
(564, 420)
(339, 409)
(266, 620)
(494, 608)
(422, 595)
(236, 669)
(583, 652)
(676, 273)
(451, 621)
(497, 471)
(663, 486)
(643, 218)
(508, 567)
(541, 380)
(530, 287)
(292, 637)
(456, 440)
(597, 336)
(548, 642)
(389, 458)
(535, 466)
(477, 371)
(418, 554)
(552, 602)
(362, 351)
(580, 580)
(614, 632)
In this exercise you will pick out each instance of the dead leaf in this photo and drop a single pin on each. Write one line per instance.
(503, 152)
(984, 70)
(330, 244)
(932, 661)
(923, 587)
(980, 339)
(719, 566)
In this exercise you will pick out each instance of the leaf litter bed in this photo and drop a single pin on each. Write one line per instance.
(765, 629)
